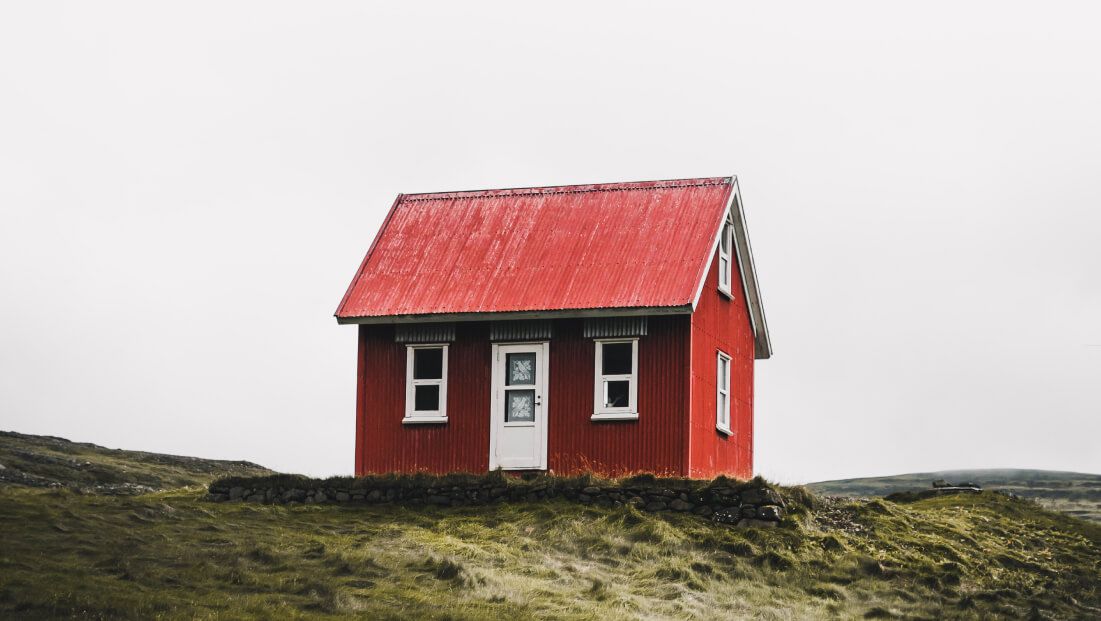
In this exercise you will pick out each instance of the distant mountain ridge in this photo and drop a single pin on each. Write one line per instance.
(1074, 493)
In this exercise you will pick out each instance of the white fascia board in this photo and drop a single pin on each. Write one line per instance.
(744, 253)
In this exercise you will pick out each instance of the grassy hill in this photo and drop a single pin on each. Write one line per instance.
(46, 461)
(1074, 493)
(169, 554)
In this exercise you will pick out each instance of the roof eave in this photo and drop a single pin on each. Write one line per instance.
(684, 309)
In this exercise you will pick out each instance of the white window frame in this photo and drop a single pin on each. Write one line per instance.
(413, 416)
(629, 412)
(726, 276)
(722, 393)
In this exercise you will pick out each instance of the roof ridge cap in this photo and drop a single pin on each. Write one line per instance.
(568, 189)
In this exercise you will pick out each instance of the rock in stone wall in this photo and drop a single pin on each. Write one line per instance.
(742, 503)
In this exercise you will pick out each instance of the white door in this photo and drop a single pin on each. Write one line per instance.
(518, 414)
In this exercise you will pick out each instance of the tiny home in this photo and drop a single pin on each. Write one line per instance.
(609, 328)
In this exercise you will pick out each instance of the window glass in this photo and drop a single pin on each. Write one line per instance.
(722, 384)
(615, 390)
(617, 394)
(617, 358)
(426, 398)
(428, 363)
(520, 406)
(725, 258)
(519, 369)
(425, 384)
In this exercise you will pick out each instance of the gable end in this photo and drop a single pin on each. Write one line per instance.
(748, 272)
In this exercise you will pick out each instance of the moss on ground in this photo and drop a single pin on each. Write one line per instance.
(171, 555)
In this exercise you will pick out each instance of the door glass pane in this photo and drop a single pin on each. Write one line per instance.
(519, 406)
(617, 394)
(428, 363)
(519, 369)
(426, 398)
(616, 358)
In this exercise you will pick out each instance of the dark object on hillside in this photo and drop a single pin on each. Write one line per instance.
(941, 486)
(945, 485)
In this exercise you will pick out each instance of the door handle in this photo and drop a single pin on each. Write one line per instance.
(538, 399)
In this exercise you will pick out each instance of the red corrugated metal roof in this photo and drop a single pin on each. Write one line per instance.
(616, 245)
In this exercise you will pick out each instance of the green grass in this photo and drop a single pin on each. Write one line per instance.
(69, 553)
(172, 555)
(1074, 493)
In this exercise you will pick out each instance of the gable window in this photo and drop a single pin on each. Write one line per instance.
(722, 394)
(425, 384)
(615, 394)
(726, 245)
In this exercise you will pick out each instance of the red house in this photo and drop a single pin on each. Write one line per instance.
(608, 328)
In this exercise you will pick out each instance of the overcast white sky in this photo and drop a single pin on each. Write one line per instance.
(186, 190)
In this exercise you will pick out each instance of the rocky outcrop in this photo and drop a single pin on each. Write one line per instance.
(726, 501)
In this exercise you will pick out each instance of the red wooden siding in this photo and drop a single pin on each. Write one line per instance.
(721, 323)
(361, 397)
(461, 445)
(657, 442)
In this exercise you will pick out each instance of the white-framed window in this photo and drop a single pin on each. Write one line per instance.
(615, 394)
(425, 384)
(722, 394)
(726, 252)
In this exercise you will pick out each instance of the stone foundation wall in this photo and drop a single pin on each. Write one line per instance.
(744, 503)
